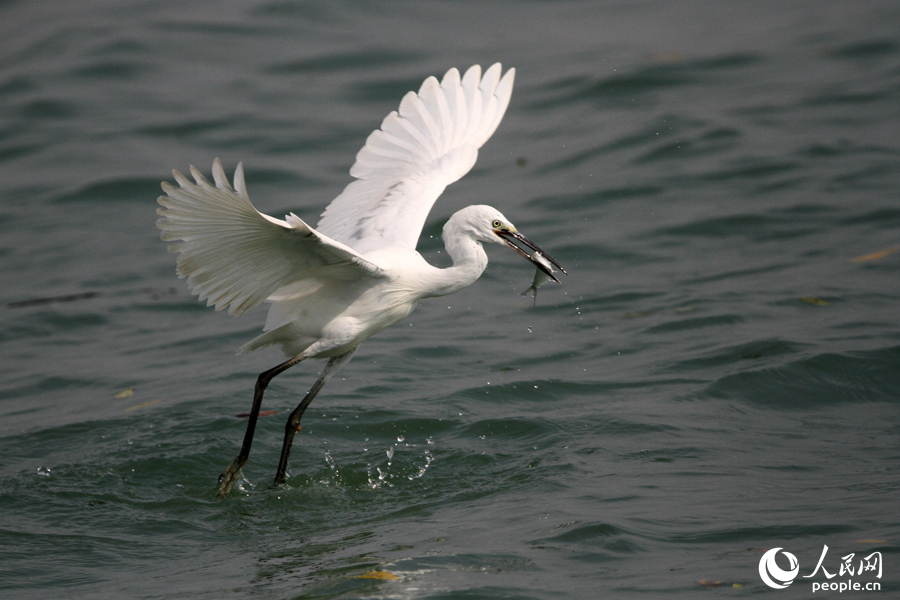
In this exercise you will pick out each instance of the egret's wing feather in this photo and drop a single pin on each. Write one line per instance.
(428, 144)
(234, 256)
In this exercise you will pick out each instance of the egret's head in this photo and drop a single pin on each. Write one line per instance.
(487, 224)
(479, 222)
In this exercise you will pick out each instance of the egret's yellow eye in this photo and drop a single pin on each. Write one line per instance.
(496, 224)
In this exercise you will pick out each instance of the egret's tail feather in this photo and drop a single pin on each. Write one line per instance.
(285, 335)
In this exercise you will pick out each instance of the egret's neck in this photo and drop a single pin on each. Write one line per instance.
(469, 262)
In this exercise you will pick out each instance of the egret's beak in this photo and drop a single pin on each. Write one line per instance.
(535, 257)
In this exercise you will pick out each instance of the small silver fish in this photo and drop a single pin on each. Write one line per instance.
(542, 273)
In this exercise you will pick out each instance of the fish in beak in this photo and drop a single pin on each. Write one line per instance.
(538, 257)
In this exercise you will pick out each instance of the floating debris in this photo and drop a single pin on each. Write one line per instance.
(262, 413)
(814, 300)
(143, 404)
(875, 255)
(383, 575)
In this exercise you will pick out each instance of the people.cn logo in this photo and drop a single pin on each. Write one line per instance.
(773, 575)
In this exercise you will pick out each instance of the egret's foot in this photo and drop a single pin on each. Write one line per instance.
(230, 476)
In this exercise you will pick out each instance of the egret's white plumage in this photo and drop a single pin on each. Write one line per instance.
(357, 272)
(404, 166)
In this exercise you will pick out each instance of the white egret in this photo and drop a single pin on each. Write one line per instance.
(358, 271)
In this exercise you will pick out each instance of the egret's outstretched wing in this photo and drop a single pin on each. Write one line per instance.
(405, 165)
(235, 256)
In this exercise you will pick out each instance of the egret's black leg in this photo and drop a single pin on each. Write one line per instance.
(293, 423)
(230, 476)
(293, 426)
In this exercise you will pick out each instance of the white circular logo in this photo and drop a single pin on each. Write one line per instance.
(772, 575)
